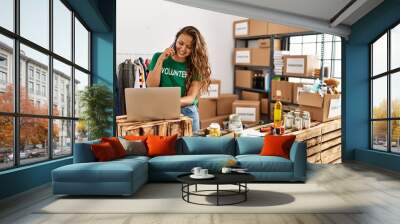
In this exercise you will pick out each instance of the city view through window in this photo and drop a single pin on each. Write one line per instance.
(385, 94)
(49, 82)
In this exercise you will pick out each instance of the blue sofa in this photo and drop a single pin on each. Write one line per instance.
(125, 176)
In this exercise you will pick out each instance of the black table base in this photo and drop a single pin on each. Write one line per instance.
(241, 191)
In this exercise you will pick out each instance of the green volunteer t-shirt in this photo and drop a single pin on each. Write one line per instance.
(173, 74)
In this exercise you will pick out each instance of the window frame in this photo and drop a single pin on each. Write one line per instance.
(320, 39)
(16, 114)
(388, 74)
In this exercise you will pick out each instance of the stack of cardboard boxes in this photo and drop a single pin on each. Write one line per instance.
(321, 109)
(215, 107)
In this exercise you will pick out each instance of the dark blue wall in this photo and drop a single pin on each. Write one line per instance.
(100, 17)
(356, 85)
(24, 178)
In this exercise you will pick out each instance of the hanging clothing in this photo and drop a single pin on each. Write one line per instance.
(131, 74)
(125, 79)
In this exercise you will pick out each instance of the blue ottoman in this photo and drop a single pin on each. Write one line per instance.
(118, 177)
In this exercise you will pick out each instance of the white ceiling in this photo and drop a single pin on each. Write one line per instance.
(315, 15)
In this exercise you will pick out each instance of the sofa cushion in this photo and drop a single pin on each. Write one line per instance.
(134, 147)
(249, 145)
(257, 163)
(103, 152)
(275, 145)
(116, 145)
(112, 171)
(185, 163)
(202, 145)
(161, 145)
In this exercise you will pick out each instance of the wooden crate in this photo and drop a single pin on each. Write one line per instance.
(181, 127)
(323, 141)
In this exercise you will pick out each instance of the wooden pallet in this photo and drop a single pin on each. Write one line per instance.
(181, 127)
(323, 141)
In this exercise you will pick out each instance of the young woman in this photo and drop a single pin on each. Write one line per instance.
(184, 65)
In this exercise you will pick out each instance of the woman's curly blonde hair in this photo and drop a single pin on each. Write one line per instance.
(198, 59)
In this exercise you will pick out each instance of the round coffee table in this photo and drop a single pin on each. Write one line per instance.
(238, 179)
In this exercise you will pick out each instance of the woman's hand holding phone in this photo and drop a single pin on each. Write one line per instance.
(167, 52)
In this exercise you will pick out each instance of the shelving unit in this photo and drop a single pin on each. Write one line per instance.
(269, 69)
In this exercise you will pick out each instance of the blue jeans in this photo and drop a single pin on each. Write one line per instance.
(192, 112)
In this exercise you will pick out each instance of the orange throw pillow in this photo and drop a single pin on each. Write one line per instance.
(103, 151)
(136, 138)
(277, 145)
(161, 145)
(116, 145)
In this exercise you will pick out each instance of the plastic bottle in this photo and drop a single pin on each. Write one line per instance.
(278, 110)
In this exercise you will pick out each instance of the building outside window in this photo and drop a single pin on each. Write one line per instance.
(37, 74)
(3, 78)
(43, 77)
(33, 76)
(385, 94)
(43, 90)
(30, 87)
(30, 72)
(38, 89)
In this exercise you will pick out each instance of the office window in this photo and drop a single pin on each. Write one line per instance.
(7, 14)
(385, 95)
(62, 137)
(81, 81)
(52, 134)
(35, 21)
(81, 45)
(33, 140)
(326, 47)
(62, 29)
(62, 78)
(7, 74)
(6, 142)
(40, 62)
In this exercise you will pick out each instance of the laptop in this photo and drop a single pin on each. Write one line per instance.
(154, 103)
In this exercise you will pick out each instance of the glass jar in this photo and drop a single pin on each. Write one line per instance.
(298, 121)
(306, 119)
(289, 120)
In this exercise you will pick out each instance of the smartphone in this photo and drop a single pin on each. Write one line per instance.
(173, 46)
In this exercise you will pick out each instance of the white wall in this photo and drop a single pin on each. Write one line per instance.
(150, 26)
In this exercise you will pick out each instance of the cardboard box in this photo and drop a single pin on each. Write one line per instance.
(224, 104)
(252, 56)
(300, 65)
(296, 89)
(218, 119)
(264, 106)
(214, 89)
(249, 111)
(256, 96)
(244, 78)
(274, 28)
(250, 27)
(321, 109)
(266, 43)
(286, 89)
(207, 108)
